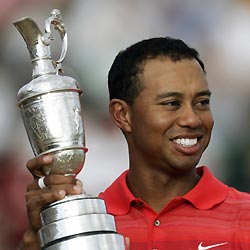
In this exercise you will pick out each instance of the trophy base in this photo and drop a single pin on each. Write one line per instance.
(101, 241)
(79, 221)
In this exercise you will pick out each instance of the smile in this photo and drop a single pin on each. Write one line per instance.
(186, 142)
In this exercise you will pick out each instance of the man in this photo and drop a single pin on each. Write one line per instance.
(159, 98)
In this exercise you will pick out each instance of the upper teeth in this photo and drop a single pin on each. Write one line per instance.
(186, 142)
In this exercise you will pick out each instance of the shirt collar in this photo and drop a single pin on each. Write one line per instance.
(208, 192)
(118, 196)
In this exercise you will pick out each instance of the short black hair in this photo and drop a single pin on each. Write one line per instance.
(123, 80)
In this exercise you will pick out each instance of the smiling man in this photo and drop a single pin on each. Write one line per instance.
(160, 99)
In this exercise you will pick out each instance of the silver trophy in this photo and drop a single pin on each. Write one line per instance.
(52, 116)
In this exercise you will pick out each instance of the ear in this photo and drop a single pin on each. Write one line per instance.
(120, 114)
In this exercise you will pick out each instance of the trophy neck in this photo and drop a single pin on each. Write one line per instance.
(43, 66)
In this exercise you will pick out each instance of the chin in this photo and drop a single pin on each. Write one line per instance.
(185, 166)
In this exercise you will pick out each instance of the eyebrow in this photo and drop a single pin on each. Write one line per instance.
(206, 92)
(169, 94)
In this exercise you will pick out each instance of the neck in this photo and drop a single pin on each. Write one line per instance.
(157, 188)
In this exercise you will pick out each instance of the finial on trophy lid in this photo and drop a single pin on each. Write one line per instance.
(50, 103)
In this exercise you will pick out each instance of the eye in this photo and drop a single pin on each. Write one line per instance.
(203, 103)
(171, 103)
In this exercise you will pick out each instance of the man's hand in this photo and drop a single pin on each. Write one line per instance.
(57, 187)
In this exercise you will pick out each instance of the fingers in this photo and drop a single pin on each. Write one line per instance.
(35, 165)
(36, 201)
(30, 241)
(56, 188)
(59, 181)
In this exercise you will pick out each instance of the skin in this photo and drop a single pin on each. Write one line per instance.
(57, 186)
(173, 103)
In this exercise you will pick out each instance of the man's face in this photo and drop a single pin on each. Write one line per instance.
(171, 121)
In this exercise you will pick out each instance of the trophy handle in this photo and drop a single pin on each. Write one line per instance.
(55, 19)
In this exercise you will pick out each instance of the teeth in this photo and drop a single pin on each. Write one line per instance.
(185, 142)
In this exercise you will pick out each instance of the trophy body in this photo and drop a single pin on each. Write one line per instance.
(51, 111)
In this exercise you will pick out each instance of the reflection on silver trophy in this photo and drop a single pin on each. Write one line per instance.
(52, 115)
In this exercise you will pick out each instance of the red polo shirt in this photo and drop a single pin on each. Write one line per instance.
(210, 216)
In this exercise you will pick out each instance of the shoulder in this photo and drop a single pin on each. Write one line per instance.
(239, 203)
(237, 197)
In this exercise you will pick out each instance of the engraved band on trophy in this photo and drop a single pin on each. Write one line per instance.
(52, 116)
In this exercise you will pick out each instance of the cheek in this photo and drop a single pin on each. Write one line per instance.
(152, 119)
(208, 121)
(149, 124)
(157, 120)
(207, 124)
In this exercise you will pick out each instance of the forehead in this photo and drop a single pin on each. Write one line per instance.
(162, 72)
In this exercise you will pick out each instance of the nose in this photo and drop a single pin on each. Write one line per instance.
(189, 118)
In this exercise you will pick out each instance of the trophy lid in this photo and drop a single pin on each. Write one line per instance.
(46, 84)
(38, 44)
(45, 74)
